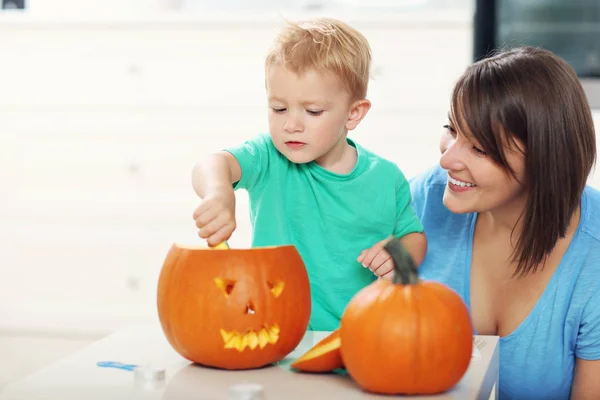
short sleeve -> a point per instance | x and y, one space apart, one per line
418 191
254 156
588 338
407 220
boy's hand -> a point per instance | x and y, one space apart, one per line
378 260
215 217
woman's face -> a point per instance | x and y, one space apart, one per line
475 182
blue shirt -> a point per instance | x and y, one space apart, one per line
537 359
330 218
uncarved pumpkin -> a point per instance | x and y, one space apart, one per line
406 336
233 309
324 356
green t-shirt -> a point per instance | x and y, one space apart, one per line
329 217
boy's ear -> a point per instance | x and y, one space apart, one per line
358 110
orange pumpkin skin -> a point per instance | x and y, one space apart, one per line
233 309
406 338
324 356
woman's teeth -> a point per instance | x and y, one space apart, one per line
459 183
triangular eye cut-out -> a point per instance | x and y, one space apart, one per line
226 285
276 287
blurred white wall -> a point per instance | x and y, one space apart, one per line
113 7
105 108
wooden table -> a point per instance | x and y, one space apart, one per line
78 377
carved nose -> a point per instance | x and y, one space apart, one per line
250 308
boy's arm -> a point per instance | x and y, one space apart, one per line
215 173
409 231
380 262
212 180
409 228
243 166
215 178
416 245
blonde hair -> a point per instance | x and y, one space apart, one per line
327 45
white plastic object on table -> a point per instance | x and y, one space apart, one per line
149 373
149 378
246 391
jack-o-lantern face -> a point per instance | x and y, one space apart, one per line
234 309
252 337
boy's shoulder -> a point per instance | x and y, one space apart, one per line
261 144
261 138
377 162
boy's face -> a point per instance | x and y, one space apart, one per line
309 115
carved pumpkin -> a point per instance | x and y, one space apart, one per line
325 356
407 336
234 309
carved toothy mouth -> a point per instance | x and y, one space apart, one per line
250 338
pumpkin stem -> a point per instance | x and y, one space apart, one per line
404 266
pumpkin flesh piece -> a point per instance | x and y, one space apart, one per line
325 356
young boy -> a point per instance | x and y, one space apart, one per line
309 185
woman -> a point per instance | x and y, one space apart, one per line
512 226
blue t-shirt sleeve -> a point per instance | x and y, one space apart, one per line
419 188
406 218
588 338
254 156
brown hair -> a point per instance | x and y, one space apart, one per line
328 46
531 94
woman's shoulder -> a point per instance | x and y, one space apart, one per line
434 176
587 244
427 189
590 210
